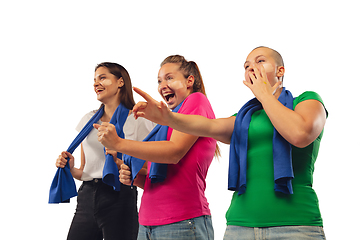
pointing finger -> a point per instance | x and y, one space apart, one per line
143 94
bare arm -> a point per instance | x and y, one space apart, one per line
220 129
300 126
170 152
75 172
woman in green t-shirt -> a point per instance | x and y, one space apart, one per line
274 142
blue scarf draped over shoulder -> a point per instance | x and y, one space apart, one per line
283 171
157 171
63 185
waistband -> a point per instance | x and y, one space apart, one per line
95 180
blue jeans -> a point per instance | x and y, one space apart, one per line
194 228
276 233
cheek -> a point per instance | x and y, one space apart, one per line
177 85
268 67
107 82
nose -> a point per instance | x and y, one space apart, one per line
162 85
251 67
96 83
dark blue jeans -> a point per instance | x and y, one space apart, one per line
102 212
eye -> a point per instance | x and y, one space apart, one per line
261 60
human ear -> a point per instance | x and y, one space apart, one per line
280 71
120 82
190 81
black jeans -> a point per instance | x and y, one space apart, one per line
102 212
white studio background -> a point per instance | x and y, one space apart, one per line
49 49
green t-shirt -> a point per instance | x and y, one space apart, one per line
260 205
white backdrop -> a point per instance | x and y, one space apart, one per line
49 49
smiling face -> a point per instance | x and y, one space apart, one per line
173 86
106 85
265 57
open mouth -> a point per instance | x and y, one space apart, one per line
169 96
98 91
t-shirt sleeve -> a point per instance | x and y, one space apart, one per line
137 129
143 128
84 120
309 95
197 104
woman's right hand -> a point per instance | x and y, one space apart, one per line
152 110
61 160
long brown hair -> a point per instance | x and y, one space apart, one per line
126 94
190 68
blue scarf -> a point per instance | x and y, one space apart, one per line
158 171
63 185
283 172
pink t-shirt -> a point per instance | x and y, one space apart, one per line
182 195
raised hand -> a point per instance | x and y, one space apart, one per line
151 109
260 85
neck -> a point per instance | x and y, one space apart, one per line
278 92
109 109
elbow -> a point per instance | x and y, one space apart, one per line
300 143
175 157
301 139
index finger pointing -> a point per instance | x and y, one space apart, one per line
143 94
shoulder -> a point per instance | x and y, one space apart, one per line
137 129
309 95
197 104
140 122
85 119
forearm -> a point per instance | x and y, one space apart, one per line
191 124
76 173
153 151
290 124
140 180
220 129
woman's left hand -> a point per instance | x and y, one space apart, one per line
260 85
107 135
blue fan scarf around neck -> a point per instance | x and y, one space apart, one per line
158 171
283 172
63 185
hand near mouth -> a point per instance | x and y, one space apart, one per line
151 109
260 85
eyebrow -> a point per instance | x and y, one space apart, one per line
167 74
99 75
255 59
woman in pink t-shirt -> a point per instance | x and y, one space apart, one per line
175 208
